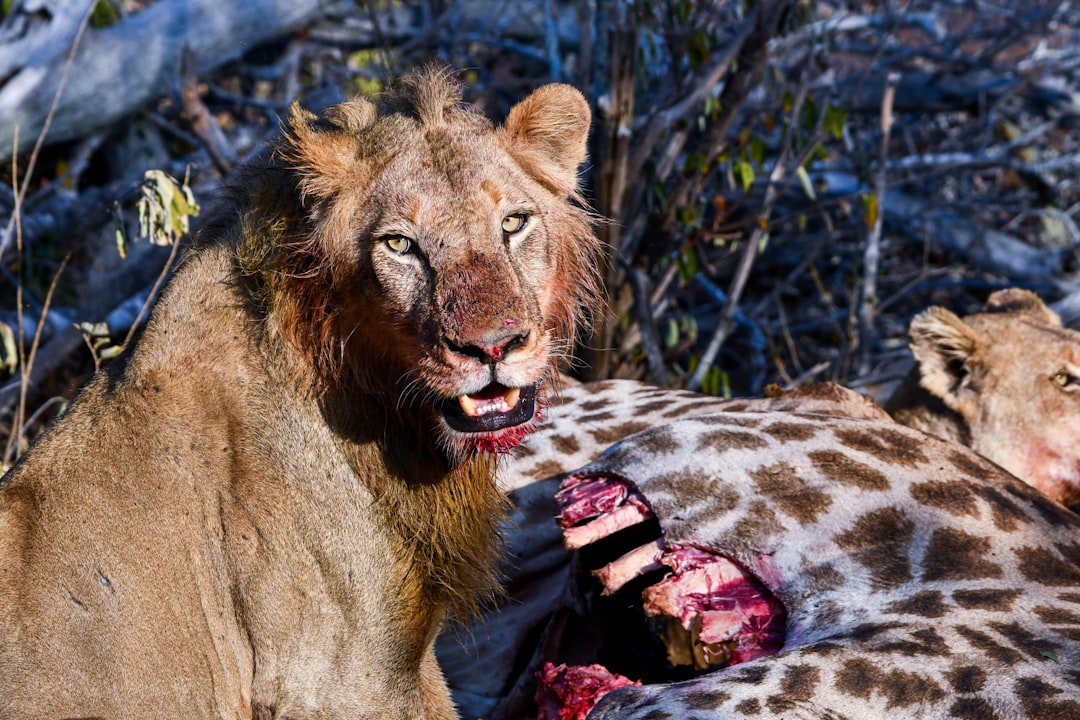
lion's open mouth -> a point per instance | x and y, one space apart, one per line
494 408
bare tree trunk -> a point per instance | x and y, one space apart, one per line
120 68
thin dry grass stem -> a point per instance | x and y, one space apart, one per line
872 255
16 224
89 341
19 425
809 375
650 337
785 333
149 302
36 415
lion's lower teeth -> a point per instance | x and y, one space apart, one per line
494 407
475 408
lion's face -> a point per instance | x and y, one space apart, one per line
1012 373
458 266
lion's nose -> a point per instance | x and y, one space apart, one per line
492 348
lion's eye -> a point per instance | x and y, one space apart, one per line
1063 378
514 223
399 244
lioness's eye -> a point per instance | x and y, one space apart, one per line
1064 378
399 244
514 223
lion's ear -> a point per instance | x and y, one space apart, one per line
1018 300
944 346
547 134
324 149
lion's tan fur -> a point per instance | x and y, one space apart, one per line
257 514
1005 382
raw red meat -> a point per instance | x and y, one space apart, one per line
569 692
733 615
595 506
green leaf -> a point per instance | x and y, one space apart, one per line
108 353
95 330
834 121
1007 130
165 208
710 384
804 180
716 383
697 50
671 334
689 327
688 266
744 173
870 209
696 163
118 223
11 354
711 106
757 151
104 14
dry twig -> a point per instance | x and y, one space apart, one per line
872 255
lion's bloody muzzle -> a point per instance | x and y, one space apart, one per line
494 408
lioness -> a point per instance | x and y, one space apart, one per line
267 509
1005 382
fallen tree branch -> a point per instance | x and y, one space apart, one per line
199 117
144 49
988 249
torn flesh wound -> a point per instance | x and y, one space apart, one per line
731 614
569 692
592 507
707 601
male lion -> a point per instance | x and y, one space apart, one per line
267 509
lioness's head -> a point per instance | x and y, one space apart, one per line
1012 374
440 263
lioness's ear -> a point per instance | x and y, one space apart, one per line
944 347
325 149
1018 300
547 133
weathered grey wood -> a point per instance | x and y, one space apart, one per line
985 248
30 30
1068 308
120 68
